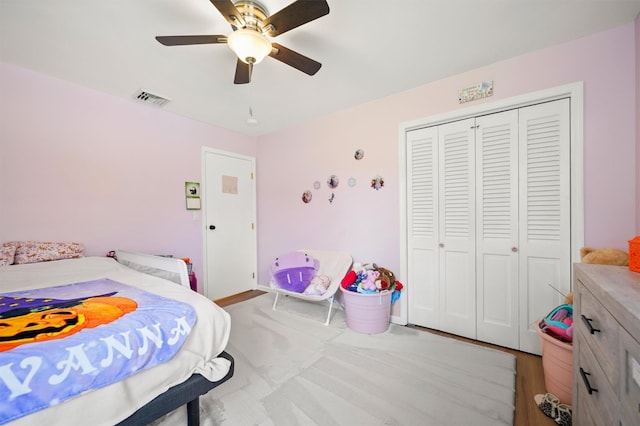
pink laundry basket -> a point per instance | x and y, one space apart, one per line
557 363
367 313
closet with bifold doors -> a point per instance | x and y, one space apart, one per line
488 223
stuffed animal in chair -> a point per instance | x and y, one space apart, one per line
318 286
294 271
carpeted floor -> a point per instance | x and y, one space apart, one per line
293 370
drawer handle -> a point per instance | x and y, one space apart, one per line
585 379
587 321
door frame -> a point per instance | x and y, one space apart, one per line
203 193
573 91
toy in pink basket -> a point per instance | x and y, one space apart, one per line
559 323
368 283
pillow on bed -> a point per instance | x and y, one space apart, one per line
35 251
7 253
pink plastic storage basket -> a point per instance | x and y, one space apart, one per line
557 363
367 313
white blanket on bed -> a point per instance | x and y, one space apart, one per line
116 402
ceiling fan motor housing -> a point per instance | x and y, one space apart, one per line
253 14
249 42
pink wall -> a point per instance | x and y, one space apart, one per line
365 222
76 164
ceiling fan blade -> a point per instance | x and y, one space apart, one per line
243 72
294 59
297 13
185 40
230 12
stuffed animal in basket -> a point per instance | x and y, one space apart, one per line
603 256
386 280
368 283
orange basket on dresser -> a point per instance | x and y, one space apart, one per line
634 254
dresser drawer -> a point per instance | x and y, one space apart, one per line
630 377
593 316
609 296
602 402
587 416
625 419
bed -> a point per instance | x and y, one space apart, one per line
197 365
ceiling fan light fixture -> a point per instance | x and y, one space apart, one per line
249 45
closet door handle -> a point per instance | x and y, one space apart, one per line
585 379
587 322
514 249
441 245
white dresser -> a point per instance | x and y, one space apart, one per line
606 348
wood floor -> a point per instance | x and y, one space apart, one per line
529 375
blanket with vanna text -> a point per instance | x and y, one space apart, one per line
58 342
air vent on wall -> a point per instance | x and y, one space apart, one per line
151 98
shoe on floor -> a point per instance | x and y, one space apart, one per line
564 415
548 404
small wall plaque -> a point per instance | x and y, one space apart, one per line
192 193
476 91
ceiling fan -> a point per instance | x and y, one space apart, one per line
251 25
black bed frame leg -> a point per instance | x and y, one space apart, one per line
193 412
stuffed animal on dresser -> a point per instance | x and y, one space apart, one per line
602 256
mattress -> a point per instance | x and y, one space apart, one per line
113 403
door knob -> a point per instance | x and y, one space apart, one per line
514 249
212 227
441 245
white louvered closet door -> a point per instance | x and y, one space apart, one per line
488 205
545 219
456 214
422 227
497 228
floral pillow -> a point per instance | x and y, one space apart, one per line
35 251
7 254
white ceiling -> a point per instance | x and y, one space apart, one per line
368 49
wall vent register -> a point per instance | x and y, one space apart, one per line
151 98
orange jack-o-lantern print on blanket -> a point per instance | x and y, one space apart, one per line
29 320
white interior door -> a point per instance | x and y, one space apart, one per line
524 249
229 219
456 213
545 214
422 227
497 228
